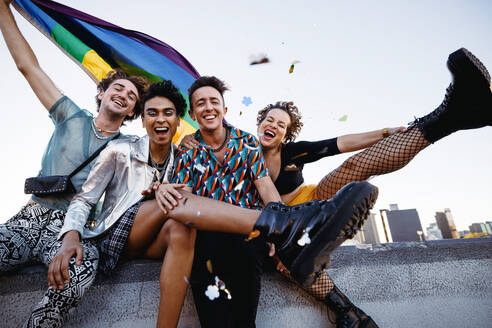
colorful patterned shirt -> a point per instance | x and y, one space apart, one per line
232 181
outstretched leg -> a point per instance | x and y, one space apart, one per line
304 234
467 105
388 155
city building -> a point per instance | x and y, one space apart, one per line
369 232
480 228
446 224
489 225
433 232
401 225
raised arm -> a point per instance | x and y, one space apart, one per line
24 58
357 141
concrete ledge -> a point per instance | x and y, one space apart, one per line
432 284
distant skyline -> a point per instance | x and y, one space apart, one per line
376 64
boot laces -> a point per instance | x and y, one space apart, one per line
448 95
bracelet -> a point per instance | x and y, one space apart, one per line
385 133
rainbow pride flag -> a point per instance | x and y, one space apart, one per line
98 46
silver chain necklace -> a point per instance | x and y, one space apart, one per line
166 165
97 131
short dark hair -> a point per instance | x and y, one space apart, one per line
140 82
207 81
295 118
167 90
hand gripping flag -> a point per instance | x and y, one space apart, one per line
98 46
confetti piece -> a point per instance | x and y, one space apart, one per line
247 101
209 266
304 240
253 234
300 155
187 280
259 59
212 292
343 118
240 113
291 69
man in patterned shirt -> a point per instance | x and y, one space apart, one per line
228 165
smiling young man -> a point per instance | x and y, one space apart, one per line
230 160
31 235
228 166
127 224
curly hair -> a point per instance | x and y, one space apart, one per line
140 82
167 90
295 117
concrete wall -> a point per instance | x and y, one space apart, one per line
433 284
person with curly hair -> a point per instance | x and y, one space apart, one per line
31 235
385 150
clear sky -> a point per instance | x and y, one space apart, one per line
379 62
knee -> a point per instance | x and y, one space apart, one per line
82 277
179 235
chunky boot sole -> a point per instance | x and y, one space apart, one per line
467 103
464 65
350 213
470 72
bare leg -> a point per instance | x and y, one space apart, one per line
388 155
154 235
175 242
193 211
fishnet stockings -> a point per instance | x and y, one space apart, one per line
388 155
322 286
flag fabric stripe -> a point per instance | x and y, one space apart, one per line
98 46
151 42
69 42
98 67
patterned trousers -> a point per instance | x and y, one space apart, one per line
31 237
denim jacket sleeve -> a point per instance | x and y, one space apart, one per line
99 178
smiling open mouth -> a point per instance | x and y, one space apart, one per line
119 103
161 130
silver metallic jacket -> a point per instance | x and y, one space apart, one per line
121 172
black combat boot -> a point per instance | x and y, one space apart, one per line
348 315
468 100
306 234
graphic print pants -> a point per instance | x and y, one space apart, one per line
31 237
